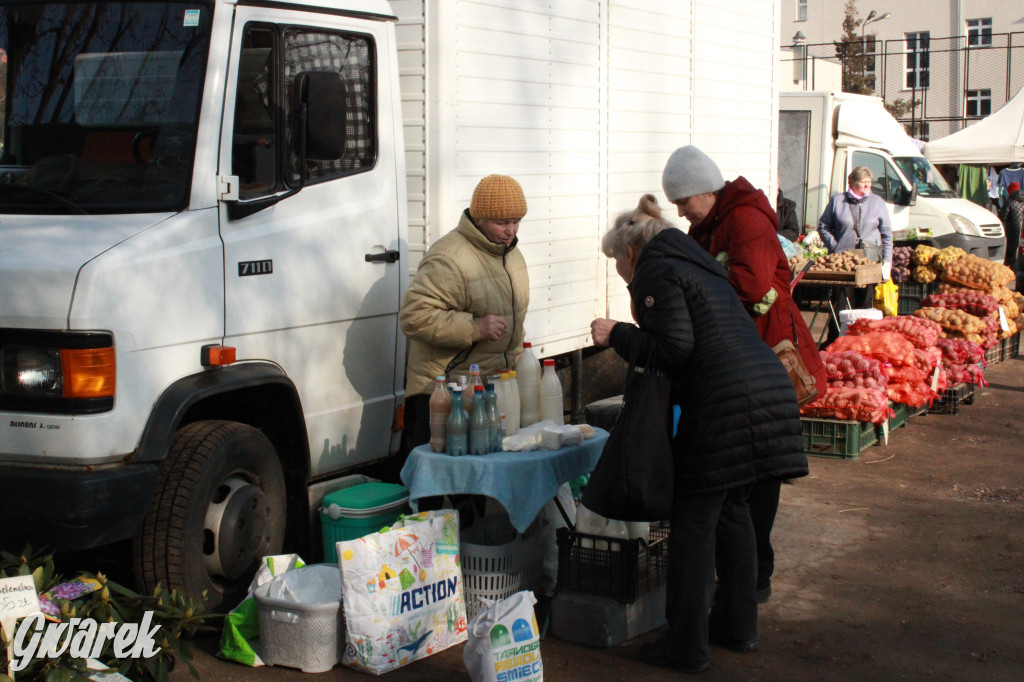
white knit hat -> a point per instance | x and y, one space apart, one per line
690 172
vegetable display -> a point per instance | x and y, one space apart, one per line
856 404
838 262
921 332
953 319
978 273
901 262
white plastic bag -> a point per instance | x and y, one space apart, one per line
402 592
504 641
314 584
240 638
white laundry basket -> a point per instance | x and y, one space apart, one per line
301 620
497 562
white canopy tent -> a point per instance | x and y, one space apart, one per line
995 139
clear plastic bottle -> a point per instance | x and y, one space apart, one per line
493 417
440 409
467 395
551 395
479 429
458 427
517 405
528 379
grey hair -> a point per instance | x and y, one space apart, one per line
634 228
859 173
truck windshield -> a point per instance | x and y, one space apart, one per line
930 182
100 105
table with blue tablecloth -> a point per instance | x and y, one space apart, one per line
522 482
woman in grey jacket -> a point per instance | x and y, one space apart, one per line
855 219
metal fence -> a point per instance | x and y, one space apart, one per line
944 83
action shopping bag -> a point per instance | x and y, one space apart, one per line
402 592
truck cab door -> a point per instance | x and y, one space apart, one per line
888 182
312 254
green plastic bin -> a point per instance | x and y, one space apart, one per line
359 510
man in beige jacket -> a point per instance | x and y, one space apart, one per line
468 300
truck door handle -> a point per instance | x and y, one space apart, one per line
389 256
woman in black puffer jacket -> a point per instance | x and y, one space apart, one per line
739 424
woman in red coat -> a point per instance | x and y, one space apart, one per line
737 225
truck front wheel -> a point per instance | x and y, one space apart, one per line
218 508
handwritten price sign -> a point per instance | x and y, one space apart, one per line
18 598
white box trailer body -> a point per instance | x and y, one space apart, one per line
824 135
198 331
582 102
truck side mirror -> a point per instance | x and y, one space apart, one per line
320 118
904 196
323 94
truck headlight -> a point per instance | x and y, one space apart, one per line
56 372
31 371
964 226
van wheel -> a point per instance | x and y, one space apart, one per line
218 508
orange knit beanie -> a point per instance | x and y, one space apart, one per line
498 197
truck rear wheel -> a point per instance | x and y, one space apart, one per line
218 508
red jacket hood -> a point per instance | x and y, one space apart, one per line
735 194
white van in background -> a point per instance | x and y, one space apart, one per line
825 135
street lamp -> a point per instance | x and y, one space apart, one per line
798 42
871 17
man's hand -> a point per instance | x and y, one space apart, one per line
490 328
601 329
886 271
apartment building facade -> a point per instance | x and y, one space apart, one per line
948 62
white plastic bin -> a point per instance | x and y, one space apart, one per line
497 562
301 620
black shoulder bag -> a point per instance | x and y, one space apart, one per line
633 479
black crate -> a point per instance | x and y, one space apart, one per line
911 294
993 355
610 567
952 398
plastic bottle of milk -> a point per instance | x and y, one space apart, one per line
505 401
528 378
551 395
517 404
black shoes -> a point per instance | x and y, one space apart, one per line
740 646
653 654
764 594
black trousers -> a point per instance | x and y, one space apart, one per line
764 505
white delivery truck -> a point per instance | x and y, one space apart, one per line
209 211
825 135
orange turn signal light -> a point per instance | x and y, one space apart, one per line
88 372
215 356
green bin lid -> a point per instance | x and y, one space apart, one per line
367 495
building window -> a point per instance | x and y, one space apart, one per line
870 48
979 32
801 10
979 103
917 60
